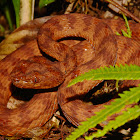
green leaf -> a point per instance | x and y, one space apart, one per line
129 33
43 3
130 114
136 135
125 34
16 4
8 16
4 5
127 97
117 33
2 28
121 72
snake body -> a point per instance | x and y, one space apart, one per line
29 115
106 49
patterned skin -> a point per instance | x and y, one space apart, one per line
101 47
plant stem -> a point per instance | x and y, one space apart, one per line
2 28
7 14
16 4
26 10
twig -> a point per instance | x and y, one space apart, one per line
123 10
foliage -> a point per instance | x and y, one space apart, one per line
130 114
136 135
126 98
17 7
5 4
121 72
16 4
43 3
129 32
5 8
2 28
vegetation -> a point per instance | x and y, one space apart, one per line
24 11
129 32
121 72
131 72
132 96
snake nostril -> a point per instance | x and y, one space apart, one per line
35 80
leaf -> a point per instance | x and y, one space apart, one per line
136 135
16 4
127 97
8 16
2 28
125 34
121 72
117 33
129 33
131 114
43 3
4 5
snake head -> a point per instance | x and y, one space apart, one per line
36 73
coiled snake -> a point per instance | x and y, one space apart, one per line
100 47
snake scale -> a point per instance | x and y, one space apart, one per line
100 47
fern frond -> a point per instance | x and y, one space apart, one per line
131 114
127 97
136 135
126 72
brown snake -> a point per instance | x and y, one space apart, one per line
101 47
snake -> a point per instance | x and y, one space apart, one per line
27 67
